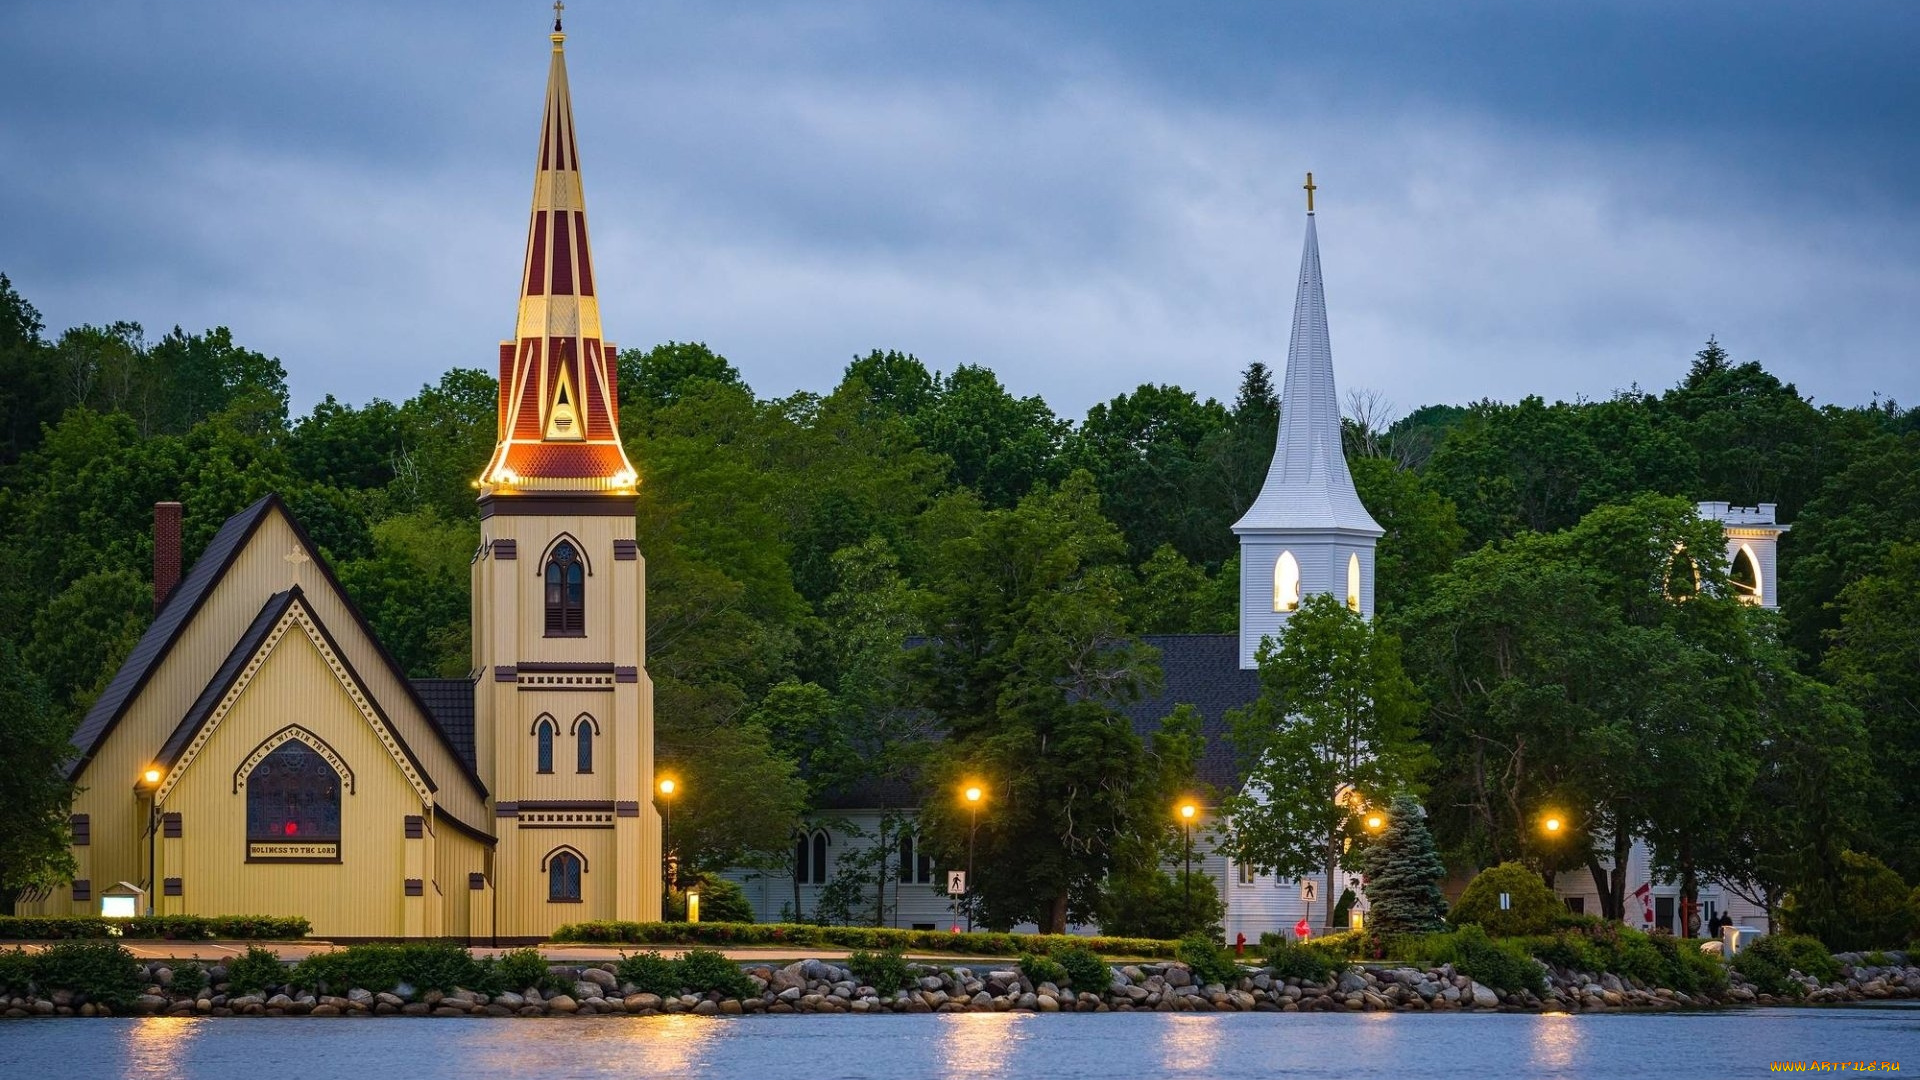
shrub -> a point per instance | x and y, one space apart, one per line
16 972
808 936
1347 944
1158 905
1535 909
170 927
1086 971
649 973
704 971
521 969
885 971
100 971
188 975
1498 964
256 971
1042 969
424 965
1767 965
1210 961
721 901
1304 961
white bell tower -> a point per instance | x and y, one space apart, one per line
1307 532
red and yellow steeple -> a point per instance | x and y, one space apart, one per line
558 422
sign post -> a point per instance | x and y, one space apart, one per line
956 883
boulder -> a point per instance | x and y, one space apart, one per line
599 977
561 1003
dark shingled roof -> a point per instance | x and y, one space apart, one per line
154 645
1201 670
222 680
451 703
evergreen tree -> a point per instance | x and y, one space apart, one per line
1403 870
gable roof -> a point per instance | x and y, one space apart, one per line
167 625
186 599
450 701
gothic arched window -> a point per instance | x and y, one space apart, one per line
916 866
1353 582
293 795
563 877
810 858
566 592
1286 583
1745 576
583 751
543 734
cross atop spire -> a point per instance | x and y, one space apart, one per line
1309 185
558 7
559 418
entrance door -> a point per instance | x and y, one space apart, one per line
1663 913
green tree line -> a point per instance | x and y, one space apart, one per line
918 575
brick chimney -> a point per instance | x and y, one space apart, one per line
166 551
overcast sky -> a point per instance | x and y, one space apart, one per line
1514 198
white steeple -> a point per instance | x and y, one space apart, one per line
1307 532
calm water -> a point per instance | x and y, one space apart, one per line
1058 1047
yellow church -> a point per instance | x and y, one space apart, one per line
261 753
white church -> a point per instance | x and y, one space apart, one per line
1307 532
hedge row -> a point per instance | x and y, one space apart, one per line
799 935
173 927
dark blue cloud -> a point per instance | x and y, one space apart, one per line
1519 197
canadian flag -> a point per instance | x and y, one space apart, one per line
1645 895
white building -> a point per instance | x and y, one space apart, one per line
1753 541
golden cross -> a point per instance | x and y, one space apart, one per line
1309 185
558 7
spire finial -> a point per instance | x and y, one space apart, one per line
558 7
1309 185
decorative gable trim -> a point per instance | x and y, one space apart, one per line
298 616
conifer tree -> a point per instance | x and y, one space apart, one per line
1403 873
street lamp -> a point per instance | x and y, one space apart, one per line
1187 814
972 794
667 787
1376 821
151 778
1552 824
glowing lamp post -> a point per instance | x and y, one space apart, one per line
667 788
972 795
151 778
1188 812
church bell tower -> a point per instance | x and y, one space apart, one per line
1307 532
563 725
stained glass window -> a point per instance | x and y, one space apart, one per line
293 795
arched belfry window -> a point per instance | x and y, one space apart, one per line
566 592
1744 576
564 870
1286 583
1353 582
293 796
543 738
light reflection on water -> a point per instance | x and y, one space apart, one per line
157 1046
1167 1046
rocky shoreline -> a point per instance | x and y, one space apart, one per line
816 986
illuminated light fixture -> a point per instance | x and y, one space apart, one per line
1553 824
625 478
973 793
1188 810
151 776
1375 821
667 786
